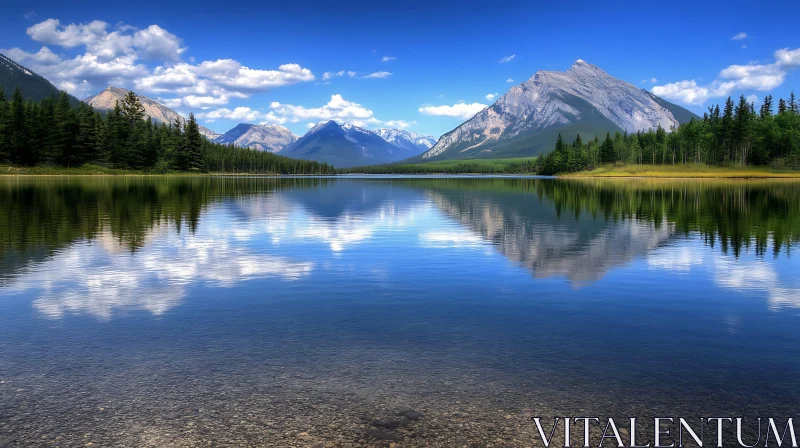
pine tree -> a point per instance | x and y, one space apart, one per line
193 145
131 108
766 108
21 152
607 154
4 155
781 106
792 103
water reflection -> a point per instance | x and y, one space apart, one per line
262 309
107 246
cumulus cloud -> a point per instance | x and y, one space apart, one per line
507 58
399 124
491 96
459 110
115 55
509 80
739 36
337 108
157 43
751 76
171 102
388 58
379 75
239 113
44 56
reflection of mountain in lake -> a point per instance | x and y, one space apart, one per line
101 246
528 231
338 214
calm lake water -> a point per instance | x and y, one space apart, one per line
365 311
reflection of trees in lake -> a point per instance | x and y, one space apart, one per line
549 225
733 215
42 215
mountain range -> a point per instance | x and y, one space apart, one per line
527 119
347 145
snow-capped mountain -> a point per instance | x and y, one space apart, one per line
527 119
107 99
345 146
262 137
407 139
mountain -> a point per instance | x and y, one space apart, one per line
345 146
528 118
32 86
107 99
408 140
272 138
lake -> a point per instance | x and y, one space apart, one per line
364 311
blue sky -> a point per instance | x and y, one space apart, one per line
420 66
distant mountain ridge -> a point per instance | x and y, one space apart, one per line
345 146
107 99
527 119
32 86
406 139
261 137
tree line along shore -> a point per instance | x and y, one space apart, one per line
52 138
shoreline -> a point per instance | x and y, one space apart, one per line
627 172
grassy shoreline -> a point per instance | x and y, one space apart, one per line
693 171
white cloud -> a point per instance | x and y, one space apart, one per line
788 58
113 57
507 58
232 75
399 124
337 108
752 76
740 36
157 43
44 56
330 75
509 80
459 110
689 92
204 101
491 96
653 80
172 103
379 75
239 113
51 32
388 58
752 99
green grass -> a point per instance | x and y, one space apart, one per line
686 171
59 170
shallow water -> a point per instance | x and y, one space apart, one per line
294 312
